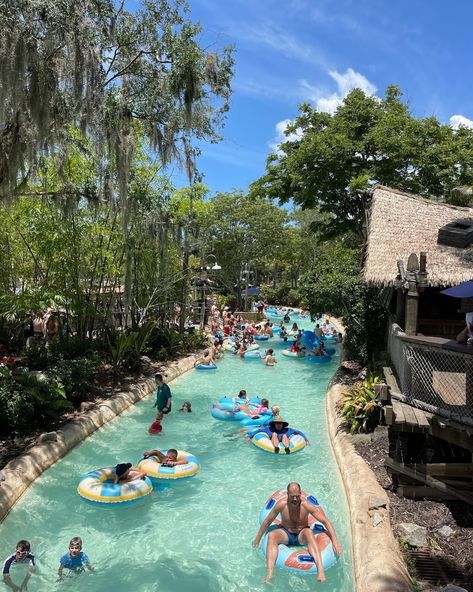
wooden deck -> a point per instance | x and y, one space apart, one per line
406 423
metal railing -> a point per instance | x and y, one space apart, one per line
432 375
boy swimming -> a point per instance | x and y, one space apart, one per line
75 559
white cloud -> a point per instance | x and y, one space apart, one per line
271 35
328 102
281 136
345 83
324 101
459 120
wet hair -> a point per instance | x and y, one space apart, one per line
158 376
275 409
75 541
122 468
265 402
292 484
23 545
242 393
173 451
270 351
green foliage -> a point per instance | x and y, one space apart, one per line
365 141
28 396
166 342
126 347
282 294
37 356
77 377
16 406
240 231
359 406
335 286
97 63
194 340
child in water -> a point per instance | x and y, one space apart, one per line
186 407
156 427
75 560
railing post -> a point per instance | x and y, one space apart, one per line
412 297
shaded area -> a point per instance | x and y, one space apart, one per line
452 554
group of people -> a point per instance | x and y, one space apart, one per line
74 561
45 326
163 404
293 509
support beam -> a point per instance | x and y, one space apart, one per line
426 480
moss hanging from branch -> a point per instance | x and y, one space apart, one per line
61 62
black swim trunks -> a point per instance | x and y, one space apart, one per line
292 537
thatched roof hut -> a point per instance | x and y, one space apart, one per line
401 223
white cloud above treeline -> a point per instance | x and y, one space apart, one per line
325 102
345 83
460 120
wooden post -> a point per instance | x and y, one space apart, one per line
400 301
412 297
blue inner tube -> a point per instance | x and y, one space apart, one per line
253 354
206 367
261 337
297 559
226 409
257 420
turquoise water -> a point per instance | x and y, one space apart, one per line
193 535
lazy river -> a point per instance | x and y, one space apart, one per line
194 535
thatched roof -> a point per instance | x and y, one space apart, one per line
402 223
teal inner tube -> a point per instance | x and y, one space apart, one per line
206 367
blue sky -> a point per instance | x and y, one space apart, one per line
292 51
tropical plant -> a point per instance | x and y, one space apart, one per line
359 406
121 345
77 377
28 396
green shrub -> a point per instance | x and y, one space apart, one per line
77 376
359 406
16 406
66 348
194 340
36 356
169 339
29 396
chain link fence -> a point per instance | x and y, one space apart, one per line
432 378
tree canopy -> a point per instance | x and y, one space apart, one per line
94 64
366 141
